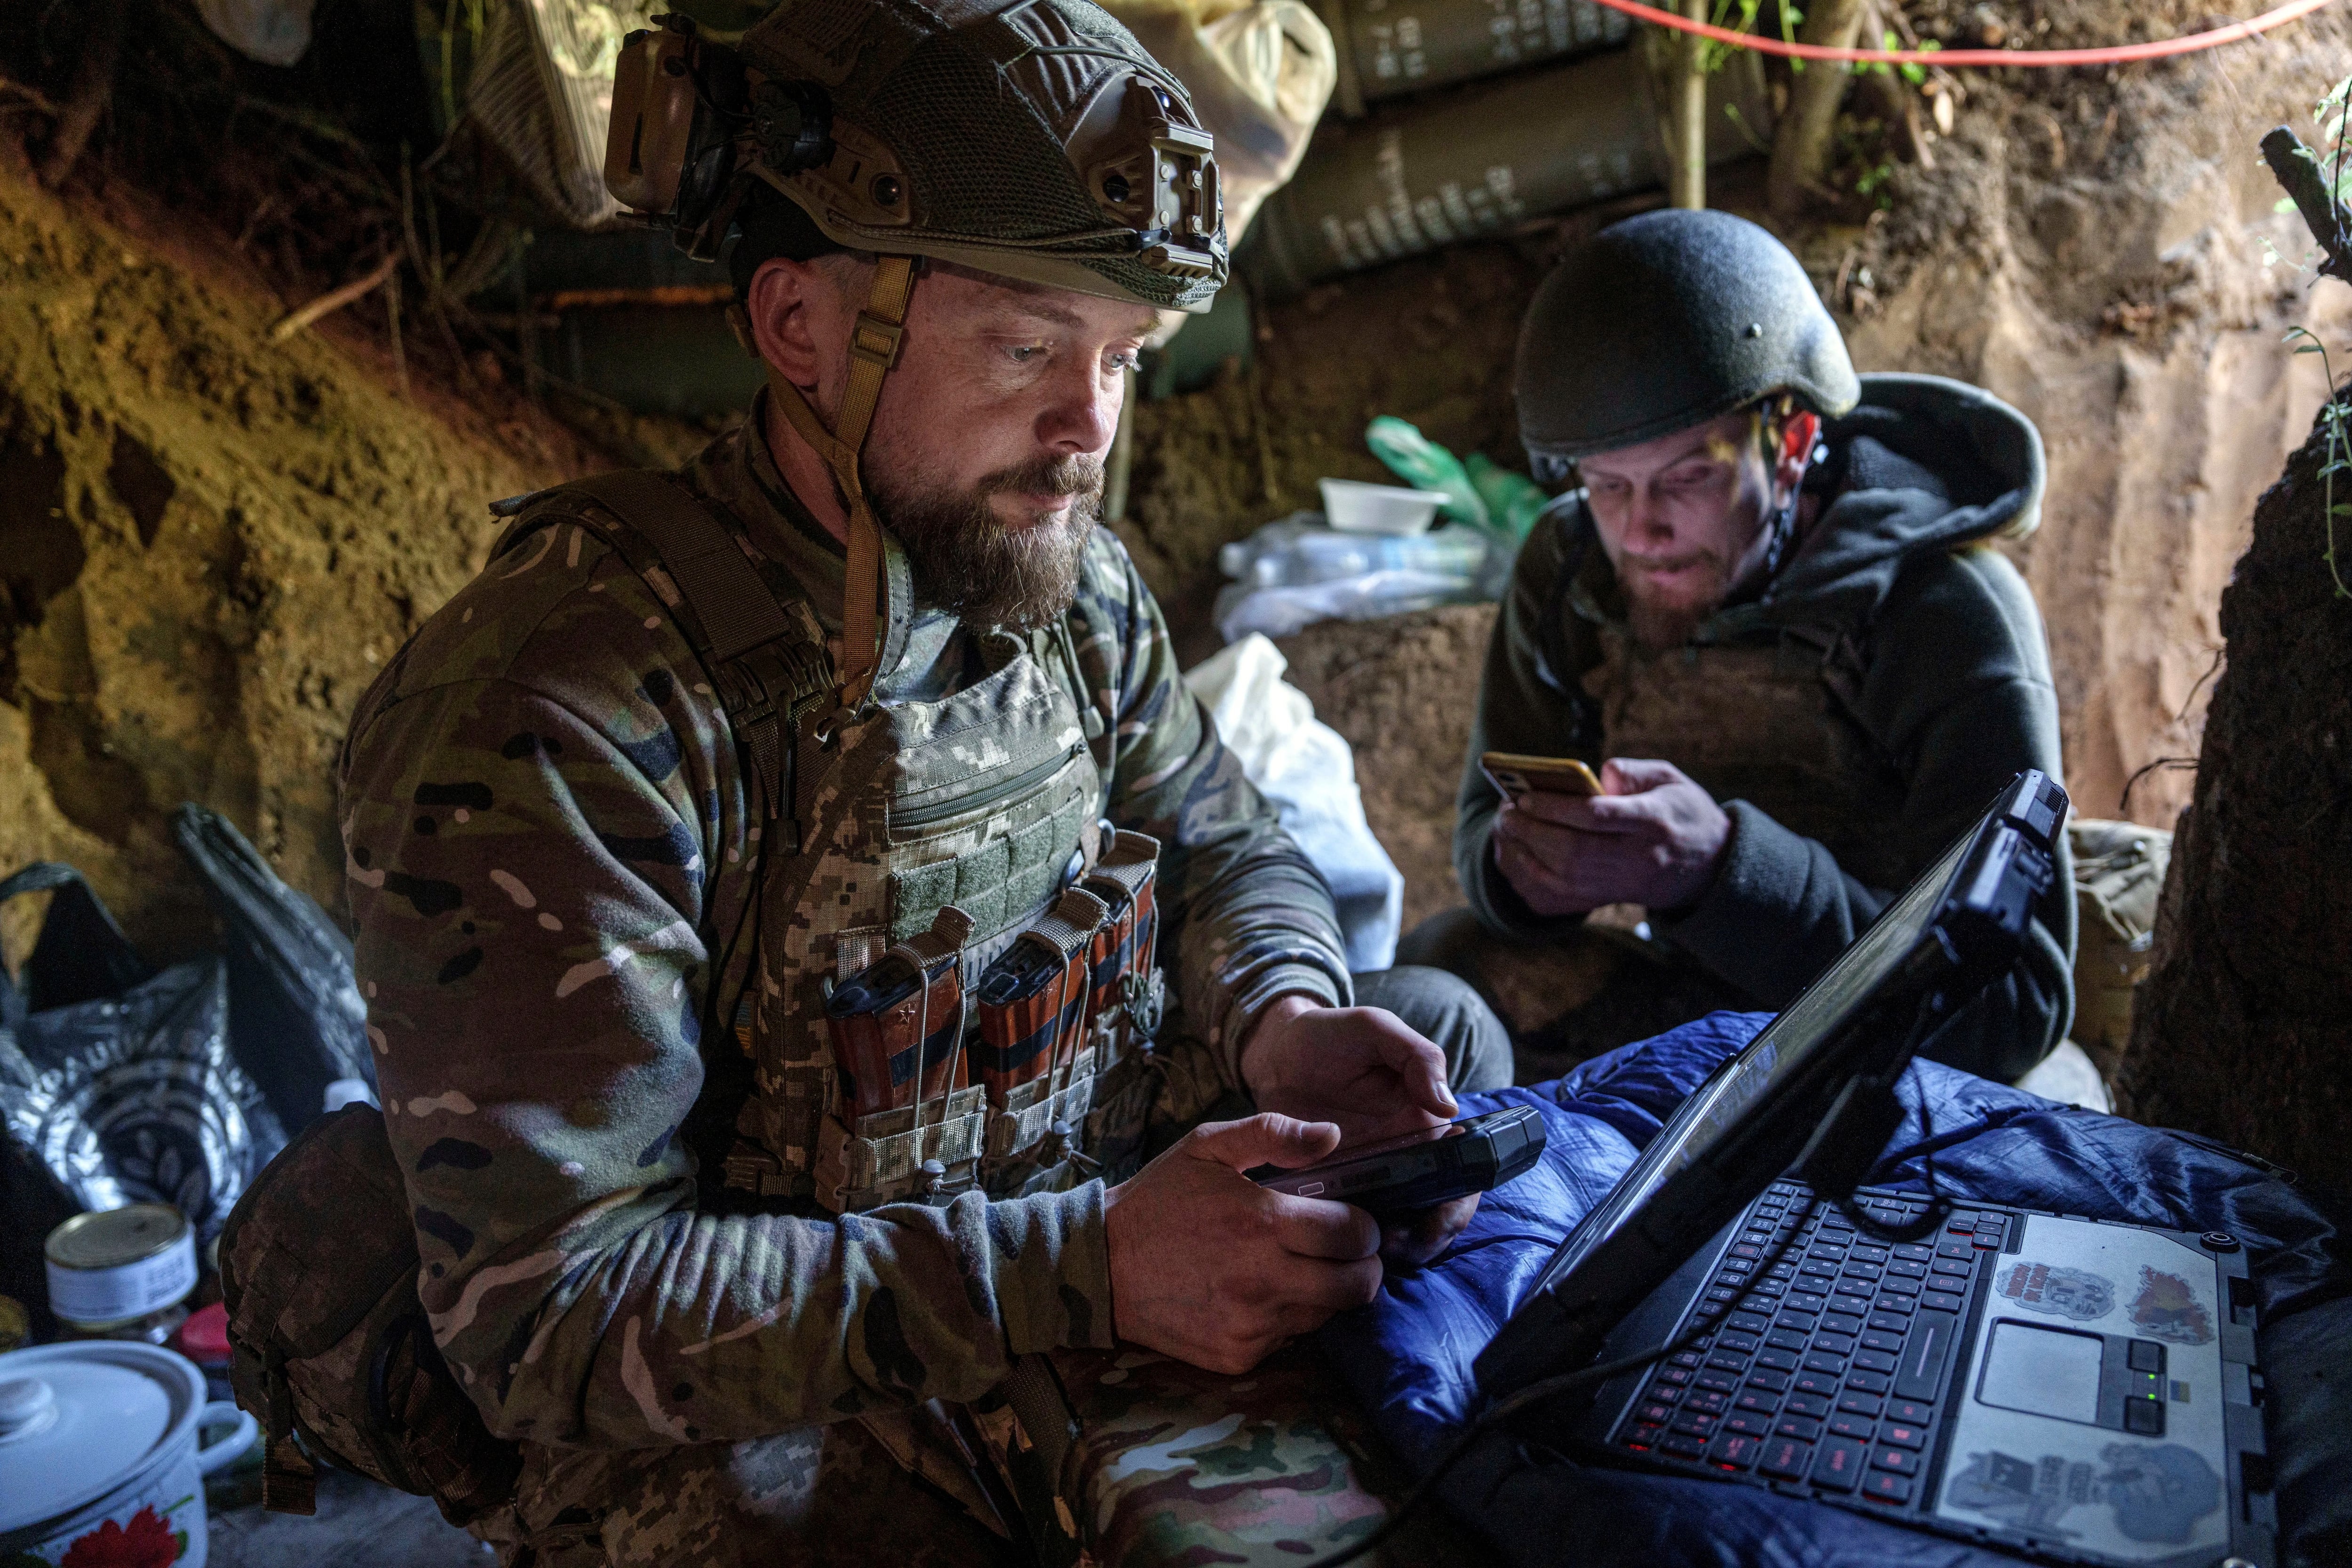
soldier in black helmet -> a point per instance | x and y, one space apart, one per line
1772 616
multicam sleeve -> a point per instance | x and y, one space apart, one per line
1248 917
529 887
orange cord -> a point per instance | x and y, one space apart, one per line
2114 54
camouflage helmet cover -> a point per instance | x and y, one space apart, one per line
1035 139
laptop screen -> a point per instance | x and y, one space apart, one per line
1785 1044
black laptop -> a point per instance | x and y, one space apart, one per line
2076 1390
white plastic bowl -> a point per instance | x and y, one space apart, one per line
1354 507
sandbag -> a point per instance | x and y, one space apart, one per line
297 1021
529 103
1259 75
2118 872
117 1084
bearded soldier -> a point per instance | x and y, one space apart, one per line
639 816
1772 616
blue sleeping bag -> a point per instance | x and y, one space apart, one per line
1408 1355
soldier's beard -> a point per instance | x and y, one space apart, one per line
1660 621
967 562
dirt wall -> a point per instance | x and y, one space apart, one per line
208 544
2243 1028
2094 251
1397 684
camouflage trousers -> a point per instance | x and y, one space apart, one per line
836 1493
818 1495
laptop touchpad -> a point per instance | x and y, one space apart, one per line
2044 1372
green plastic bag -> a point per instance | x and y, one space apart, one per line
1427 466
1512 498
1478 491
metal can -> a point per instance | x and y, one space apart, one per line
123 1273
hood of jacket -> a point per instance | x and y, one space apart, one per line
1922 464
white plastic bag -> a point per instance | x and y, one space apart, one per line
1302 549
2066 1076
1243 611
1306 770
1291 574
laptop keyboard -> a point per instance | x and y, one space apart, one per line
1831 1371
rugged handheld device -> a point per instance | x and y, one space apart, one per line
1419 1170
1516 775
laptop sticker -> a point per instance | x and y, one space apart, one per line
2167 1309
2158 1491
2075 1293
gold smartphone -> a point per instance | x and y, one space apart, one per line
1516 774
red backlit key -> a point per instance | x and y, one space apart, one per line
1786 1457
1839 1463
1735 1451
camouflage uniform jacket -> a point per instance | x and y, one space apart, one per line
549 858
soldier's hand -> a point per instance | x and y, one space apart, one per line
1363 1069
1210 1268
1653 839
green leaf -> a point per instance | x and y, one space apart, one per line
2284 205
2310 349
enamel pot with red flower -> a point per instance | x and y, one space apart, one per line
100 1466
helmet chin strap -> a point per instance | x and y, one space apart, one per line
876 564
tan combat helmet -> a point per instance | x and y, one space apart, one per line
1034 139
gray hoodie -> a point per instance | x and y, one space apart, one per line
1937 672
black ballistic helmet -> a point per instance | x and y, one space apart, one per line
1664 321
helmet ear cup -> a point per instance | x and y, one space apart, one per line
794 123
679 104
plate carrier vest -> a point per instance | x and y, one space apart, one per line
925 828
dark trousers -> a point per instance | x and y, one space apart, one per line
1442 1008
1564 1001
